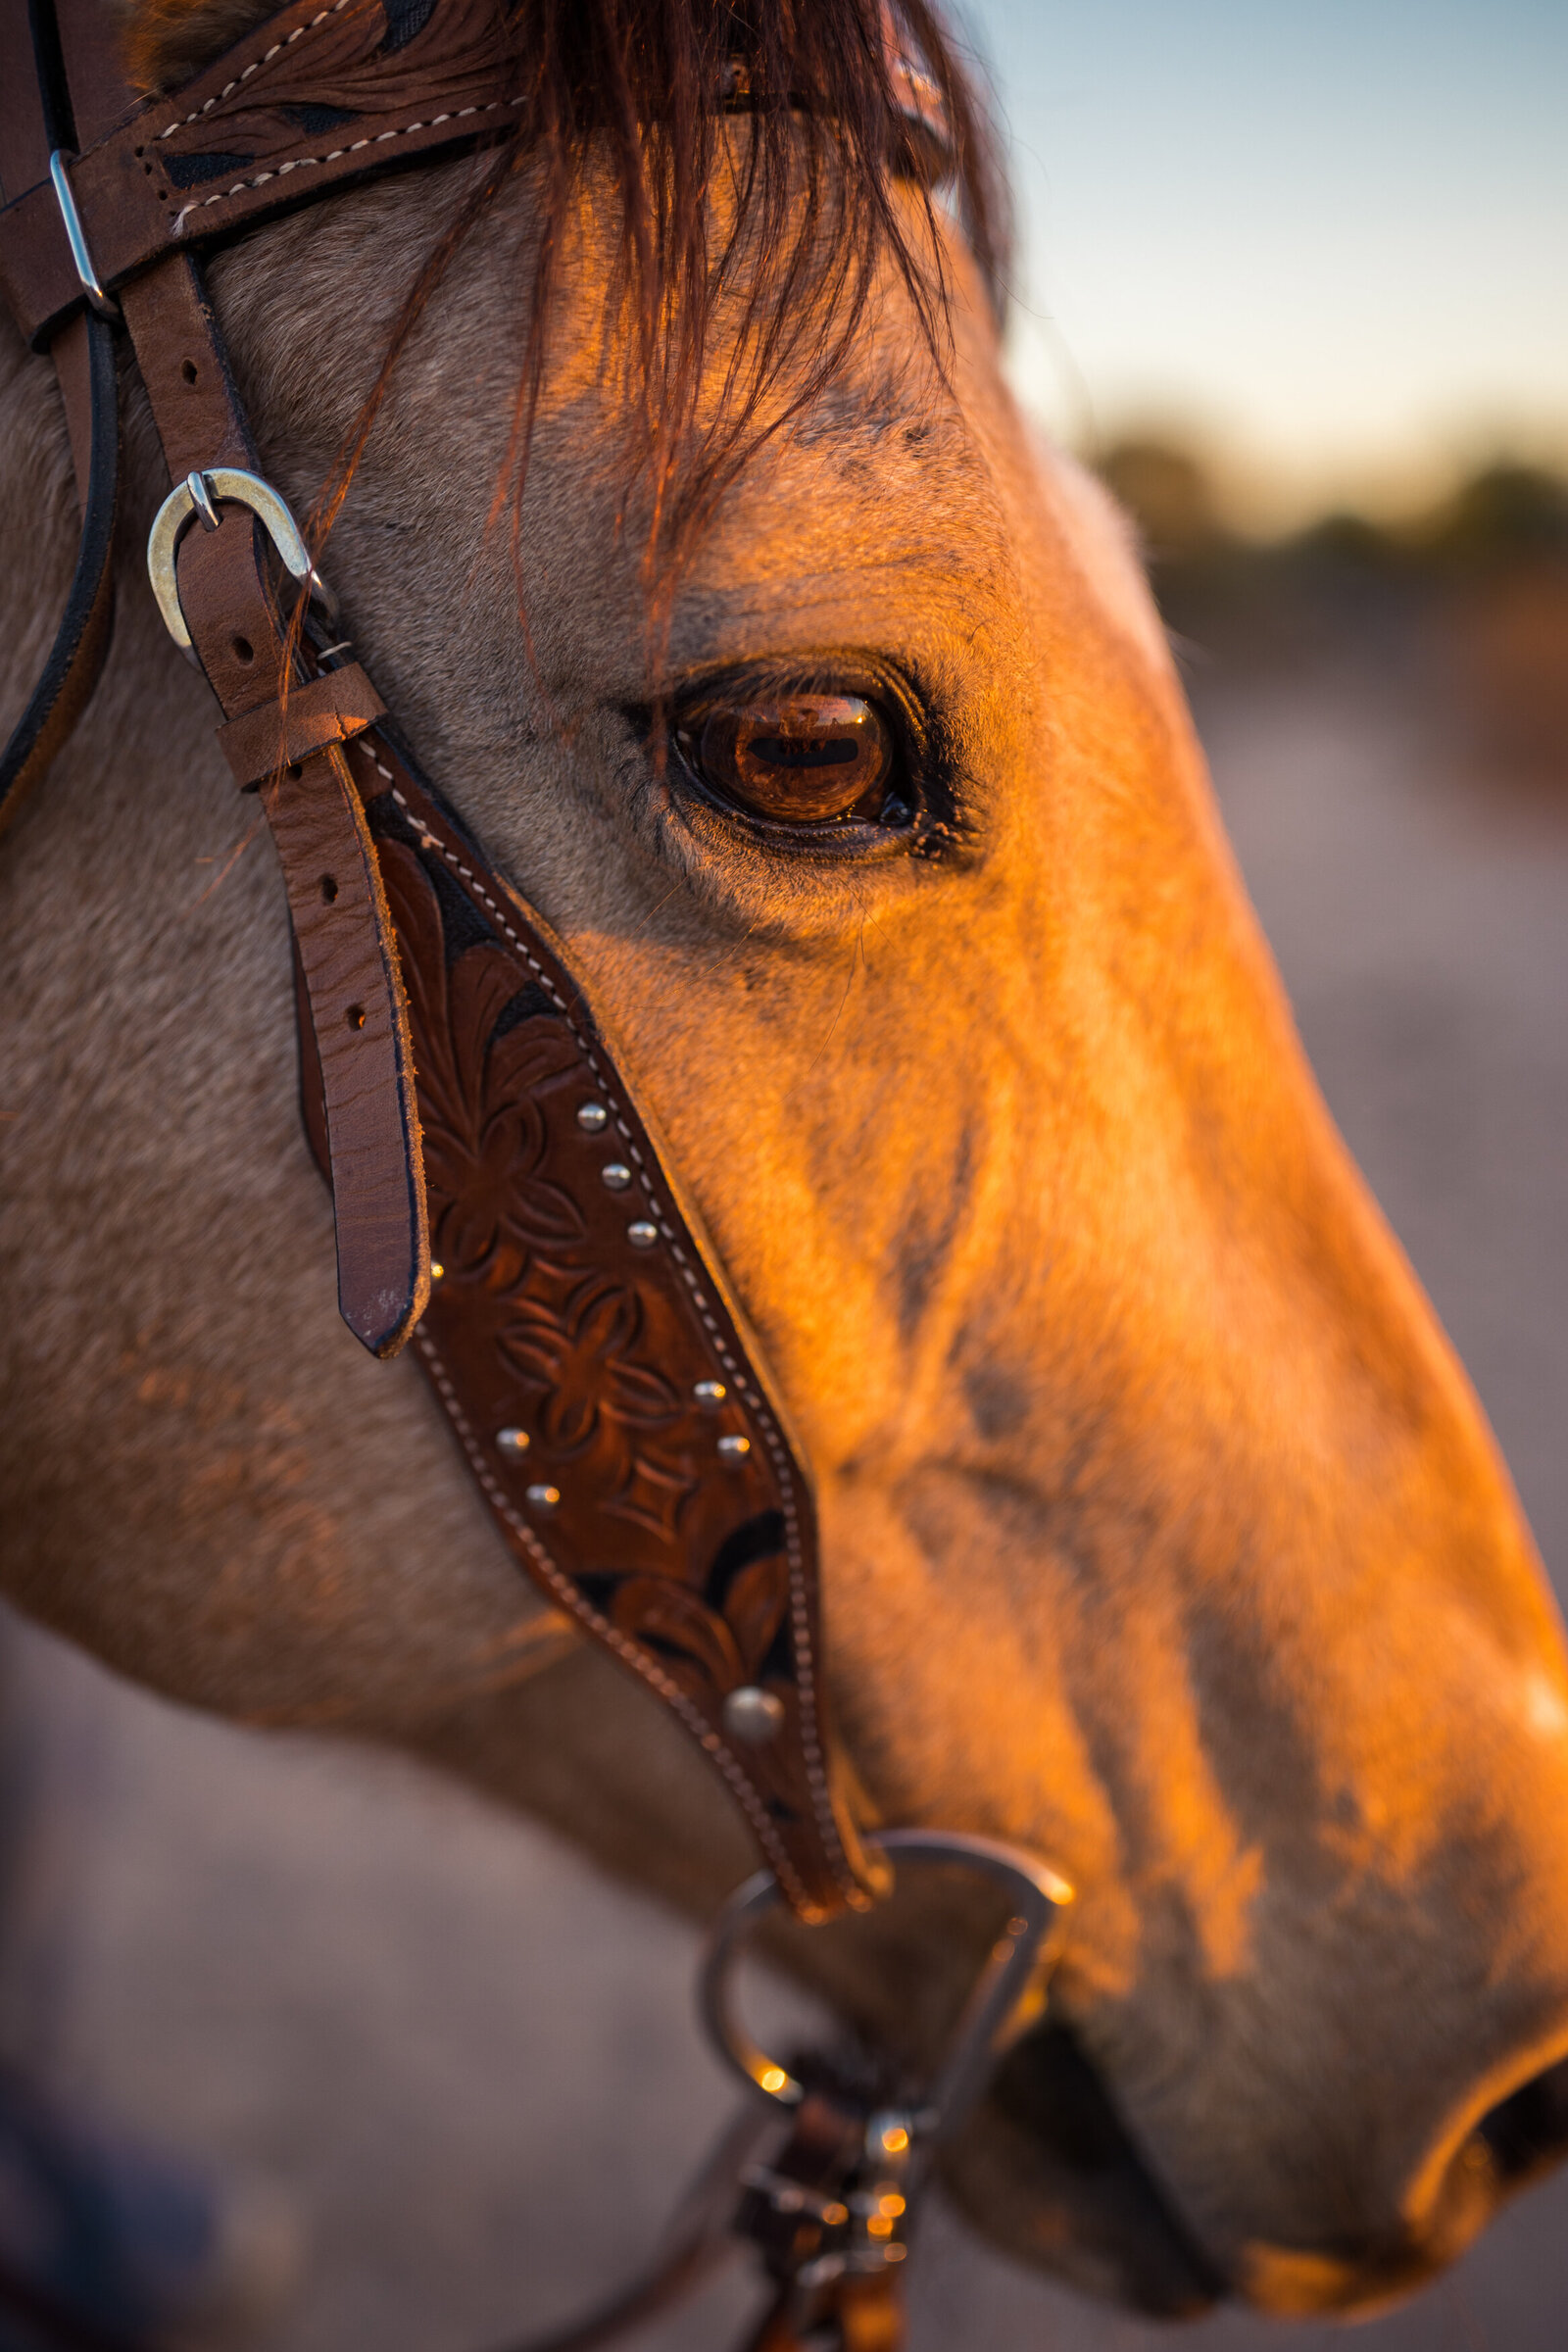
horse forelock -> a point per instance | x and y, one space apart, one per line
747 246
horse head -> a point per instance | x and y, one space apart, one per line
823 713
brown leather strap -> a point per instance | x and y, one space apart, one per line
341 921
340 918
92 48
29 131
333 707
824 2302
229 149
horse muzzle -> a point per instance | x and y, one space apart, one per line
1047 2168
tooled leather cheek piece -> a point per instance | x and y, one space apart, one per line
598 1377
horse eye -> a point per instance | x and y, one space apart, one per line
797 758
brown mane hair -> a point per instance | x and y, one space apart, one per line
647 89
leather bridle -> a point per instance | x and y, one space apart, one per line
599 1377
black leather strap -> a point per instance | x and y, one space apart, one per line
35 122
76 656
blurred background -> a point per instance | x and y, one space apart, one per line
1296 282
1293 280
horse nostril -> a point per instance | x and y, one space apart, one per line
1527 2132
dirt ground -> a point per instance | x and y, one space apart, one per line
471 2064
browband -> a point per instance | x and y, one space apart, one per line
315 97
498 1194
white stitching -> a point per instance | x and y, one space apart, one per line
565 1590
230 87
800 1607
302 163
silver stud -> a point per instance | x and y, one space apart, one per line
752 1717
709 1394
544 1498
642 1235
592 1116
616 1174
732 1452
512 1440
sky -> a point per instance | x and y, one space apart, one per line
1329 239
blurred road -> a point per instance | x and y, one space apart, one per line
463 2054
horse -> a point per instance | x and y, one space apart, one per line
1162 1534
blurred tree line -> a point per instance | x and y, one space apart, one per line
1469 601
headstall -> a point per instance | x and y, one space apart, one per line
499 1198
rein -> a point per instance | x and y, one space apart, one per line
498 1196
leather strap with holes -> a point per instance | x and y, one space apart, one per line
242 641
341 920
333 707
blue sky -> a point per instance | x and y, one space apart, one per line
1333 238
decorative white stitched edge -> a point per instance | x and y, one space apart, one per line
302 163
630 1651
800 1606
276 50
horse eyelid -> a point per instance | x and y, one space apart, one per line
926 788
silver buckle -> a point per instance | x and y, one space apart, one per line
77 238
194 500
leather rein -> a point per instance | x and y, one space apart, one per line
599 1377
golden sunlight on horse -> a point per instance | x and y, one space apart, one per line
1161 1534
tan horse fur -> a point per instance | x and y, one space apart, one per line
1163 1532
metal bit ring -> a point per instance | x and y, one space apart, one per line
1040 1898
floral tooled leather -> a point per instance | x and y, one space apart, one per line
576 1312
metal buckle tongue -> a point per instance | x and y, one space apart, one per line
832 2207
193 500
